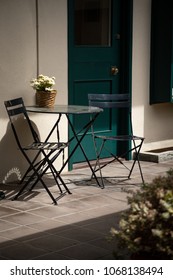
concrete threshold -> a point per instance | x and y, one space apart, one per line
158 155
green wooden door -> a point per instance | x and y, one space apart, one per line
95 61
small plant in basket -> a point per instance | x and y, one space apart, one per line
146 228
45 94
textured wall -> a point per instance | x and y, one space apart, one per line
19 61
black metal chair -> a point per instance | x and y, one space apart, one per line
45 152
120 104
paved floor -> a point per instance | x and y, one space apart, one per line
78 227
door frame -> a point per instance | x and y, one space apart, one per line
126 53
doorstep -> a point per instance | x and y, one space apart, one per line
158 155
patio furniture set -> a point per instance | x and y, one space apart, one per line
46 152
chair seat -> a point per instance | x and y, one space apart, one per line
46 146
119 137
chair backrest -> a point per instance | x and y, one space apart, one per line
113 101
15 109
109 100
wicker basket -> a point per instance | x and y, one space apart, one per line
45 99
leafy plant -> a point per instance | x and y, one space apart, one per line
43 83
146 228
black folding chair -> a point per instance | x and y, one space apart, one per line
45 152
120 104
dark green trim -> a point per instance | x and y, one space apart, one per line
70 43
127 27
130 36
130 39
127 32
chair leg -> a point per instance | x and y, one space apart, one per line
137 148
54 171
137 151
39 178
33 163
97 166
48 164
44 185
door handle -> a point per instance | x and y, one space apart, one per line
114 70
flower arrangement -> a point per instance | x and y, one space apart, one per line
43 83
146 228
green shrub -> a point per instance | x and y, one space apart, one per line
146 228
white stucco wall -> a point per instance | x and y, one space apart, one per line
18 65
154 122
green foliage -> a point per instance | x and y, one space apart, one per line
146 228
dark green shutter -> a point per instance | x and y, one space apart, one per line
161 52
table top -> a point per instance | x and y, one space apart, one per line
64 109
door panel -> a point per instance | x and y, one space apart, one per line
94 51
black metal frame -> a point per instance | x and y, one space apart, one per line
49 151
116 102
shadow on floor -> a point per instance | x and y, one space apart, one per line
85 240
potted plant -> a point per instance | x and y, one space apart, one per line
45 94
146 228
